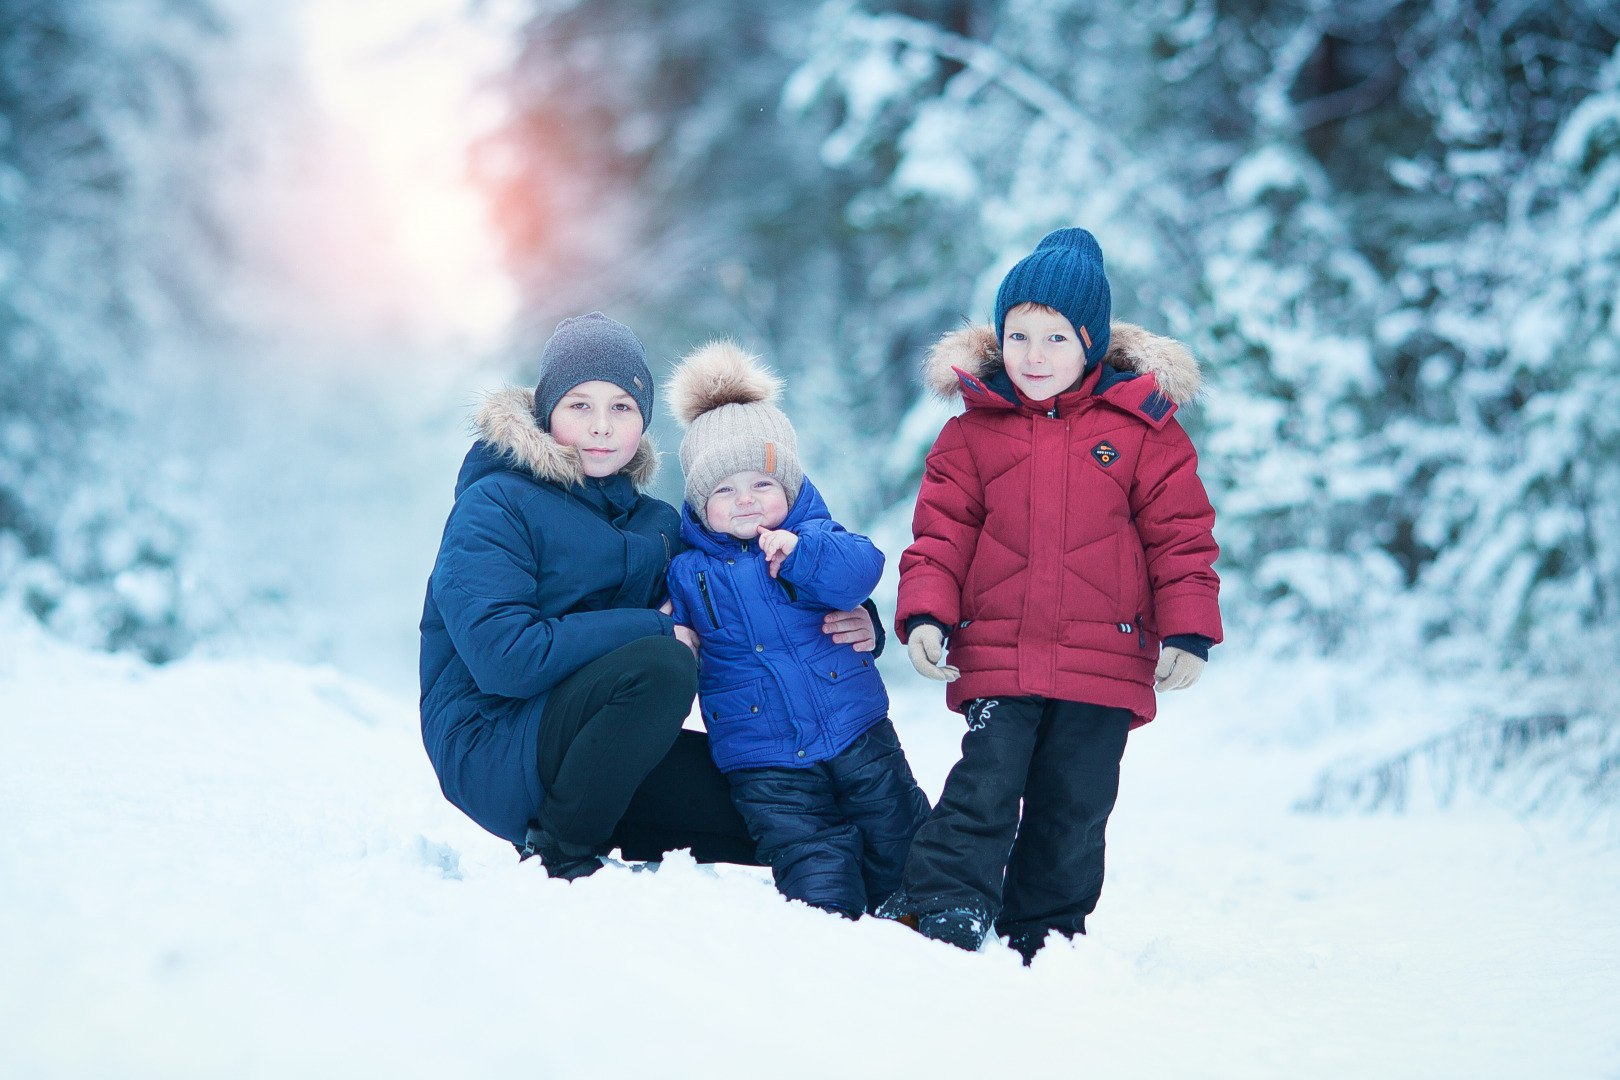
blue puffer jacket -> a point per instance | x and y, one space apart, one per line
540 572
775 690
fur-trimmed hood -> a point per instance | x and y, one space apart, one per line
505 420
975 350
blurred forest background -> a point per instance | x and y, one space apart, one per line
1390 229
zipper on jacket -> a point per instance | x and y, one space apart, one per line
708 605
1141 632
665 537
787 587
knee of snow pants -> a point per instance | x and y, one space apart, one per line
814 853
879 796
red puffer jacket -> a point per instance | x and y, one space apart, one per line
1060 543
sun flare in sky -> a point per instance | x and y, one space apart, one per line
405 85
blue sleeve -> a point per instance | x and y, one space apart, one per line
832 566
485 585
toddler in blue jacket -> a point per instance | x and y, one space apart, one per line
798 723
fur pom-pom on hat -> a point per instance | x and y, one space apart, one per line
716 374
726 400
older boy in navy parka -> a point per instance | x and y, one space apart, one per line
798 724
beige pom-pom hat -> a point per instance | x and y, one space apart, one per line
726 400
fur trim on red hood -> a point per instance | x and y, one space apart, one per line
975 350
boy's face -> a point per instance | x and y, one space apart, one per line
1042 352
746 502
602 422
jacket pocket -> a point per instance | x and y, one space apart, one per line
735 704
849 686
1142 585
1127 637
841 665
708 600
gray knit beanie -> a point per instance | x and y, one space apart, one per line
1064 272
586 348
726 400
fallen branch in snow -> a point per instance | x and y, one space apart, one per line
1536 763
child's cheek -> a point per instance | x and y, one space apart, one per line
715 514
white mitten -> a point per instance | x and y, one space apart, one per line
1177 670
926 645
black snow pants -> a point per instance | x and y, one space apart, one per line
619 772
836 834
1044 872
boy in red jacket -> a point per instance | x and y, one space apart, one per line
1063 548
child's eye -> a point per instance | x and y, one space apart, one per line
1017 335
622 407
1057 337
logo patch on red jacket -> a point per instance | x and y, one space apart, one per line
1105 453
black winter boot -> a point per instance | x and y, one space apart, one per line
963 927
561 859
1027 943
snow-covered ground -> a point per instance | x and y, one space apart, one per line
241 869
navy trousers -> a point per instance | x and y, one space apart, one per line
620 773
835 834
1039 870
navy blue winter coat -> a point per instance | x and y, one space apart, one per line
774 689
540 572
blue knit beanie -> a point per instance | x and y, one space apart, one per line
1065 272
586 348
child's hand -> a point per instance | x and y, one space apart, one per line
667 607
1177 670
926 645
688 637
777 544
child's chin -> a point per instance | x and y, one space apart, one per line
596 468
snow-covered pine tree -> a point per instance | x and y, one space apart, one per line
1522 345
96 101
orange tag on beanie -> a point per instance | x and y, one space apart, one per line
770 457
1085 337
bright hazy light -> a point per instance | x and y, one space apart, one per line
402 82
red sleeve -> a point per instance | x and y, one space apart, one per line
945 527
1176 523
